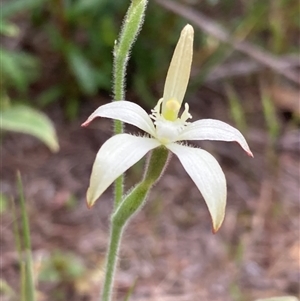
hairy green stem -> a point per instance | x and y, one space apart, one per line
130 205
112 254
131 27
118 189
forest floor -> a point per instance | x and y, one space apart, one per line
168 251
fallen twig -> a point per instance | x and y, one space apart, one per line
213 28
243 68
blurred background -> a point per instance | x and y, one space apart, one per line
56 68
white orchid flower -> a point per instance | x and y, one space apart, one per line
166 129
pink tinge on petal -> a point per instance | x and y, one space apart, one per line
245 148
249 153
87 122
124 111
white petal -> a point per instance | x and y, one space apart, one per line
208 176
180 68
114 157
125 111
212 129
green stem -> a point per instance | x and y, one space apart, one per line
115 238
119 184
18 243
130 205
30 290
132 24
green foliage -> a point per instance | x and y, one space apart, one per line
80 35
130 291
18 70
3 203
61 267
236 108
269 111
8 29
10 8
6 290
23 246
20 118
83 67
82 70
235 292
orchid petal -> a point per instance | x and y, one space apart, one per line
114 157
208 176
125 111
179 71
211 129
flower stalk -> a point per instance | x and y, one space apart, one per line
131 26
135 199
129 206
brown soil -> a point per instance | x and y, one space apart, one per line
168 251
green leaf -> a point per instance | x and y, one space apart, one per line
61 266
49 96
18 69
3 204
6 289
26 120
13 7
81 7
83 71
9 29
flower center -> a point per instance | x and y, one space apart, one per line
171 110
168 129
